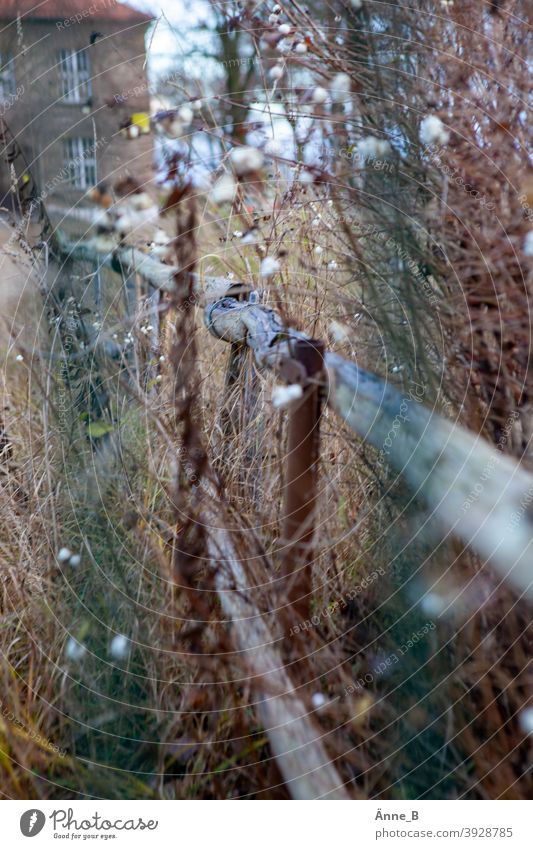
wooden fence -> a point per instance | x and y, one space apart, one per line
472 489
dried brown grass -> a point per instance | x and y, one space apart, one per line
178 720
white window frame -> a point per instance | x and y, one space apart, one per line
7 75
75 75
81 162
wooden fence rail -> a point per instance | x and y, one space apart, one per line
473 489
296 739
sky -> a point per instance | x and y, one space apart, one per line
169 38
172 36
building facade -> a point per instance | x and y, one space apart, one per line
72 74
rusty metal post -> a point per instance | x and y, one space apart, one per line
300 487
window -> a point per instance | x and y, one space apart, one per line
75 78
81 162
7 76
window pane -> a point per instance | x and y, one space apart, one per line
7 76
75 76
81 162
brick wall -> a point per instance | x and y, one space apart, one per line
41 120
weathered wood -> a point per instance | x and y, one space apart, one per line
300 483
132 261
296 741
474 490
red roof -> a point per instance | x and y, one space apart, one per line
104 10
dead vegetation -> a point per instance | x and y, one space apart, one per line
415 660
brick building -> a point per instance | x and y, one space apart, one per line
72 72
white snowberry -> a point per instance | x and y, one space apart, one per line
319 95
306 177
119 647
371 147
246 159
528 245
175 129
124 224
269 266
339 332
74 650
141 200
526 720
276 72
433 130
283 396
433 604
318 700
273 147
339 88
224 189
185 114
160 237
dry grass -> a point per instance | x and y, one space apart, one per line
175 717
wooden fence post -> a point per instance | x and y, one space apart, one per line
300 486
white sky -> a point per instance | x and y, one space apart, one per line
170 38
173 37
